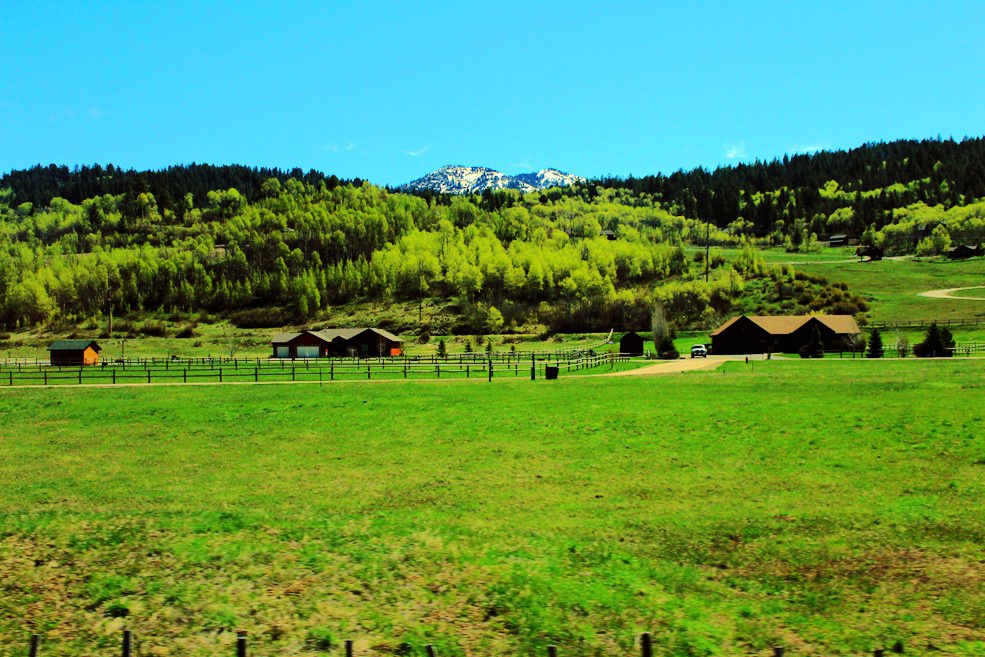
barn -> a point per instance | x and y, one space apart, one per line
964 251
74 353
631 344
757 334
362 342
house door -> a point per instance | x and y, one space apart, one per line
307 351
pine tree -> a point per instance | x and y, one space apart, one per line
875 344
442 349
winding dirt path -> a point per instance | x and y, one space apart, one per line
949 293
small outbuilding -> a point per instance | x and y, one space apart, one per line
757 334
963 251
838 240
74 353
631 344
362 342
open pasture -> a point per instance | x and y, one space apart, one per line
831 507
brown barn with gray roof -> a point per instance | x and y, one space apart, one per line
73 353
757 334
362 342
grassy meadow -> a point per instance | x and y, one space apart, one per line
831 507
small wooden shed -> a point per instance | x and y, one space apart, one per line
631 344
73 353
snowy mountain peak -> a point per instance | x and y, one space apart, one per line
456 179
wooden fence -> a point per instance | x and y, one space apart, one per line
645 644
924 324
147 371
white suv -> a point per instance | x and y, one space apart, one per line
699 351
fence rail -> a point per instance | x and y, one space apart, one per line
129 647
310 370
925 323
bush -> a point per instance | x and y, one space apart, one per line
187 332
666 349
153 328
272 317
442 349
938 342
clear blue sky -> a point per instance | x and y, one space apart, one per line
390 91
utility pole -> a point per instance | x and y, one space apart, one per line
707 249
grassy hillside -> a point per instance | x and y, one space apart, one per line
831 507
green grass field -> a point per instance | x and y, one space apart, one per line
831 507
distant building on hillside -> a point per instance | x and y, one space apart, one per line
362 342
74 353
756 334
838 240
963 251
631 344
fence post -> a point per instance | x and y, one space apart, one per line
348 648
148 376
369 370
184 375
127 639
46 377
646 646
331 371
778 651
490 369
430 650
240 643
32 651
551 651
80 376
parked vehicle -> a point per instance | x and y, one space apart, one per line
699 351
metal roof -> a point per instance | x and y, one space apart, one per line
73 345
335 334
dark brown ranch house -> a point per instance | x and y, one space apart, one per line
757 334
362 342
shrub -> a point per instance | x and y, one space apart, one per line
442 349
153 328
666 348
938 342
187 332
271 317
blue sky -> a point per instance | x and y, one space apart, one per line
389 91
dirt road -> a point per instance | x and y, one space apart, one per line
949 293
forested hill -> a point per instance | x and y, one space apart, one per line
872 179
896 174
39 184
234 239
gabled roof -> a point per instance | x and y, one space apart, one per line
785 325
335 334
348 334
73 345
839 323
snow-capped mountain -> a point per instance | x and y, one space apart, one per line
455 179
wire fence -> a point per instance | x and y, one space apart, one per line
130 647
